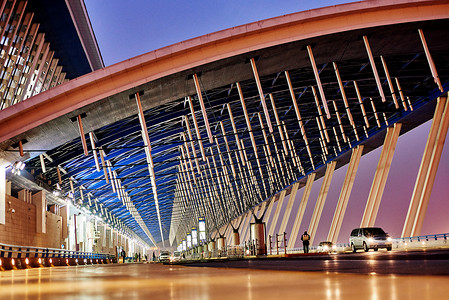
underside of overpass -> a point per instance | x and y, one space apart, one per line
229 134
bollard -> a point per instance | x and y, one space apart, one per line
269 238
285 243
277 244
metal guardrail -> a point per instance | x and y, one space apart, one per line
241 251
13 251
435 237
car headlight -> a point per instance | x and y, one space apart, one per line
325 248
334 247
370 240
389 239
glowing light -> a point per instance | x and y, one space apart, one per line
27 261
13 262
51 260
67 261
40 260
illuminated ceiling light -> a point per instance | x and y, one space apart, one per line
390 82
203 108
373 67
261 95
147 143
278 123
362 106
318 81
94 150
195 123
41 157
234 128
433 69
189 132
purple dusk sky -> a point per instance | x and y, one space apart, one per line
125 29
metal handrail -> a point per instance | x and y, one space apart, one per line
40 252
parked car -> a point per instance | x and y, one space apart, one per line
175 257
326 246
369 238
164 256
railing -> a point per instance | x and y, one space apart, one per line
19 257
248 249
420 238
12 251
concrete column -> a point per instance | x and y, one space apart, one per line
235 237
301 210
259 233
2 195
427 170
381 175
211 246
221 241
277 212
65 217
288 209
316 216
40 202
344 194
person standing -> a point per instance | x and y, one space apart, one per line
305 238
124 255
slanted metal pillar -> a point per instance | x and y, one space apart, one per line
301 210
276 213
321 200
289 207
380 177
344 194
245 225
427 170
269 209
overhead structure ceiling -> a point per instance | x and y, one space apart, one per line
223 179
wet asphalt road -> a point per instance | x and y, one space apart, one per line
420 262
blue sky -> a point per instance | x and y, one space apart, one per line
125 29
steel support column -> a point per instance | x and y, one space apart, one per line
269 210
289 207
245 225
277 212
381 175
427 170
301 210
321 200
344 194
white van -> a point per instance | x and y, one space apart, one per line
164 256
369 238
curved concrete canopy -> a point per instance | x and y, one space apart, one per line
222 60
